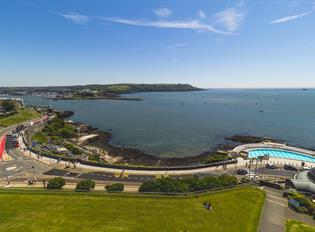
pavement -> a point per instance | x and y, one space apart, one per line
276 212
69 185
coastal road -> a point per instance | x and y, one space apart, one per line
20 166
276 172
23 166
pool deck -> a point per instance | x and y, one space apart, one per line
277 160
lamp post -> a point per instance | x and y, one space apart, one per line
6 174
34 176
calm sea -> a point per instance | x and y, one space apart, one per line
170 124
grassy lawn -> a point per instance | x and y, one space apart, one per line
40 137
233 210
295 226
21 116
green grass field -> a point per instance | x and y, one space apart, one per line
295 226
233 210
22 116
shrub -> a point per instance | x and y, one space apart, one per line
171 185
227 180
216 158
73 149
85 185
301 210
116 187
148 186
245 180
8 105
56 183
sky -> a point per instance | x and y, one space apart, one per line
209 44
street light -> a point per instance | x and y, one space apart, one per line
6 174
34 176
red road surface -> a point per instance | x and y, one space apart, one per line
2 145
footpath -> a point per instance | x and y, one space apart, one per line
99 186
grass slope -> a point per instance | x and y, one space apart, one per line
233 210
295 226
21 116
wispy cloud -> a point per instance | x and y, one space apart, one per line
230 18
188 24
163 12
202 14
290 18
76 18
178 45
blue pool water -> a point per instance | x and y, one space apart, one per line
280 154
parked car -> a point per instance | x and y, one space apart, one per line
241 172
271 166
16 144
9 133
252 176
288 192
15 135
290 168
304 168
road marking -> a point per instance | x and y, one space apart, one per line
11 168
276 202
282 199
272 193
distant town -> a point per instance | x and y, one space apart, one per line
112 91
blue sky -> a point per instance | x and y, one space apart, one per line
204 43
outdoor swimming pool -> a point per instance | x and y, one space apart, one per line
280 154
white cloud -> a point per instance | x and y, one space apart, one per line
188 24
76 18
290 18
202 14
230 19
163 12
178 45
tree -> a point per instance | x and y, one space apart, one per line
148 186
8 105
85 185
116 187
56 183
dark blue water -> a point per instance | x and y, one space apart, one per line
185 123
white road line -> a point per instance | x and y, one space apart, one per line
282 199
272 193
276 202
11 168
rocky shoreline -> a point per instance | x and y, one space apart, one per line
134 156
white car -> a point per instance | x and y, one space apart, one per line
305 168
252 175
